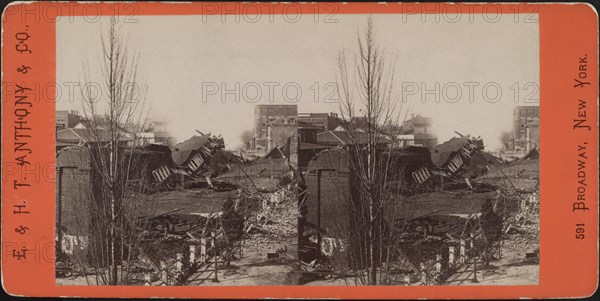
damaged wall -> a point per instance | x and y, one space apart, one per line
328 176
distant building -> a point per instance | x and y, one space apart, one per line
67 119
158 133
277 132
420 128
307 133
265 114
307 143
532 135
523 116
80 135
271 121
281 129
323 121
146 138
405 140
164 138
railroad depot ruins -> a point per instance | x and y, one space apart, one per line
196 214
454 214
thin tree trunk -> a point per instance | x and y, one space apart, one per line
373 78
113 237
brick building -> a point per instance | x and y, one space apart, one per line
324 205
323 121
78 193
265 114
273 124
67 119
73 197
523 116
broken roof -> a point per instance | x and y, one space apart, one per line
183 151
442 152
275 153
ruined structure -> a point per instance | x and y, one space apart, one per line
196 199
451 210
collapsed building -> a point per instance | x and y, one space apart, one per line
189 157
182 195
446 203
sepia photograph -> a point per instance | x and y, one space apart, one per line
426 171
317 150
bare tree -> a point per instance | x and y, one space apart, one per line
115 118
366 92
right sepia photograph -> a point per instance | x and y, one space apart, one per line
424 169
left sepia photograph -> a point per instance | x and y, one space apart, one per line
159 179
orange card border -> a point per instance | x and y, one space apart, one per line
567 32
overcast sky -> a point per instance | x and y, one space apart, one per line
188 61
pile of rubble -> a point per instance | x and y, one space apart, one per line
511 229
278 214
197 193
522 229
457 201
247 219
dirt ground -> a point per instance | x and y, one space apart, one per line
253 268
